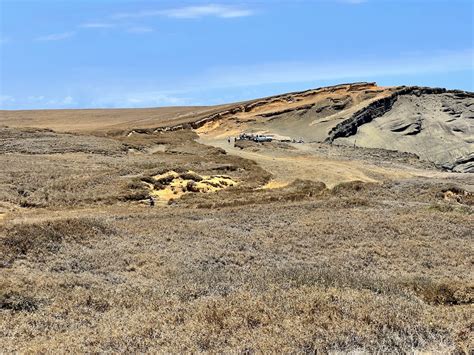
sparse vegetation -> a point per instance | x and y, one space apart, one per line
86 266
46 237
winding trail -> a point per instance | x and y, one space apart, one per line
305 161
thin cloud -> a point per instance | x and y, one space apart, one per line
192 12
353 2
141 99
294 72
61 102
56 36
140 30
154 98
36 98
68 100
97 25
4 40
221 11
5 99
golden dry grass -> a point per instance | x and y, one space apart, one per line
87 266
94 120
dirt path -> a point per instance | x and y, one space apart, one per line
287 166
304 162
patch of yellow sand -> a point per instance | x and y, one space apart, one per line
208 127
167 193
218 130
275 184
179 186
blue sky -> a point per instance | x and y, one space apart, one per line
104 53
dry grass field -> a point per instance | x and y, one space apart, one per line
315 248
96 120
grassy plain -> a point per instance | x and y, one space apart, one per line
88 266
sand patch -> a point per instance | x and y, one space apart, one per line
172 185
218 130
208 127
275 184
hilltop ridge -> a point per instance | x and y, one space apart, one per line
434 123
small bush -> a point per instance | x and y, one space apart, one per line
136 184
17 302
350 186
443 293
47 237
189 175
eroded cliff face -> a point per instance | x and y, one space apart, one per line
291 113
435 124
309 115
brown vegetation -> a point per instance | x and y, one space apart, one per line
88 266
279 276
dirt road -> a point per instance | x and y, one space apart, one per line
311 162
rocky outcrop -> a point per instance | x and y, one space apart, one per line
433 123
376 109
462 165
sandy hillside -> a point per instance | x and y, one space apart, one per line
435 124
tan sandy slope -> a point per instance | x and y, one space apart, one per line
435 124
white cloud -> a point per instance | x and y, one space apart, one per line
58 103
5 99
36 98
68 100
192 12
222 11
140 29
141 99
4 40
97 25
37 102
56 36
353 2
139 14
154 98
